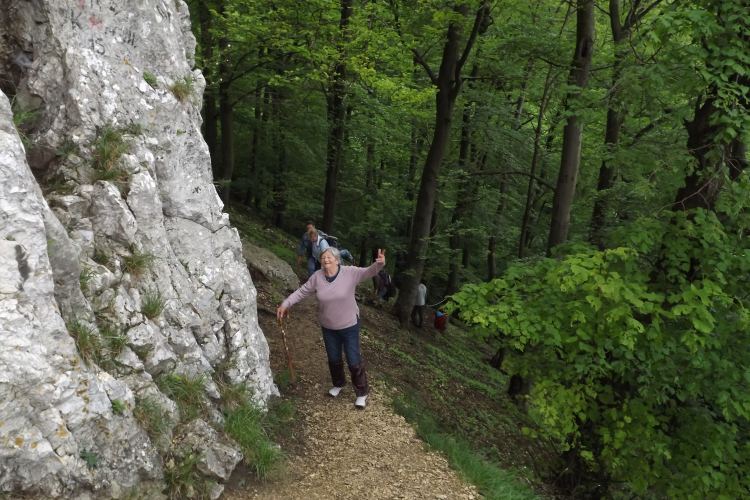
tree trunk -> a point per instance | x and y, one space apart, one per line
278 203
252 189
522 240
615 120
210 124
226 112
491 265
573 131
448 82
336 121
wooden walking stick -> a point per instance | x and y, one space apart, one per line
286 347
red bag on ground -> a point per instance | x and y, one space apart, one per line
440 319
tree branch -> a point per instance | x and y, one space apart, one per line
472 38
419 59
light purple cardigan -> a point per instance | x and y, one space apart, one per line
338 308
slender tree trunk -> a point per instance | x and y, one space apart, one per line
448 82
226 113
336 120
278 203
491 246
522 240
210 123
573 131
252 189
615 120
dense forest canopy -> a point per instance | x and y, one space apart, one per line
578 167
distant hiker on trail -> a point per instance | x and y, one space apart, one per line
378 284
339 317
312 243
419 304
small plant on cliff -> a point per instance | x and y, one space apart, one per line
153 304
150 79
87 342
137 263
91 458
101 255
151 417
87 274
23 119
186 391
182 478
113 338
118 407
182 88
108 149
246 426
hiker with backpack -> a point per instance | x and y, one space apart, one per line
313 242
334 286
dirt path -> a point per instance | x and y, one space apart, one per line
342 452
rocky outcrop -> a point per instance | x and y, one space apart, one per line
270 266
128 241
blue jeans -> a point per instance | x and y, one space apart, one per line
348 338
312 266
346 254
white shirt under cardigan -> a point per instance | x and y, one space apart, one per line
338 308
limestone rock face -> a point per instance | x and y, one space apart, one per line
270 266
102 241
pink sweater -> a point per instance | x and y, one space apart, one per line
338 309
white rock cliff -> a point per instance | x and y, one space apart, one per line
74 70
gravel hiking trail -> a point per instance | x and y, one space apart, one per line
340 452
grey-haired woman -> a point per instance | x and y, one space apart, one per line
334 286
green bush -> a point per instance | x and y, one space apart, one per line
118 407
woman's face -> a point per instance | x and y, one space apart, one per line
328 261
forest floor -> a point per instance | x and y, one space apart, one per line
438 423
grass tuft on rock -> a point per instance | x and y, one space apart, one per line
150 79
182 478
87 342
114 339
187 392
109 147
153 304
246 423
183 88
151 417
137 263
85 278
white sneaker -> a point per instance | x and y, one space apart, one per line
335 391
361 401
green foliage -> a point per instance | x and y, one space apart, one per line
108 148
187 392
628 368
137 263
283 379
23 120
182 88
91 458
151 417
150 79
153 304
118 407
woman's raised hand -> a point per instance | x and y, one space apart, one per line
381 256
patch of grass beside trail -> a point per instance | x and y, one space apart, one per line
487 475
260 234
